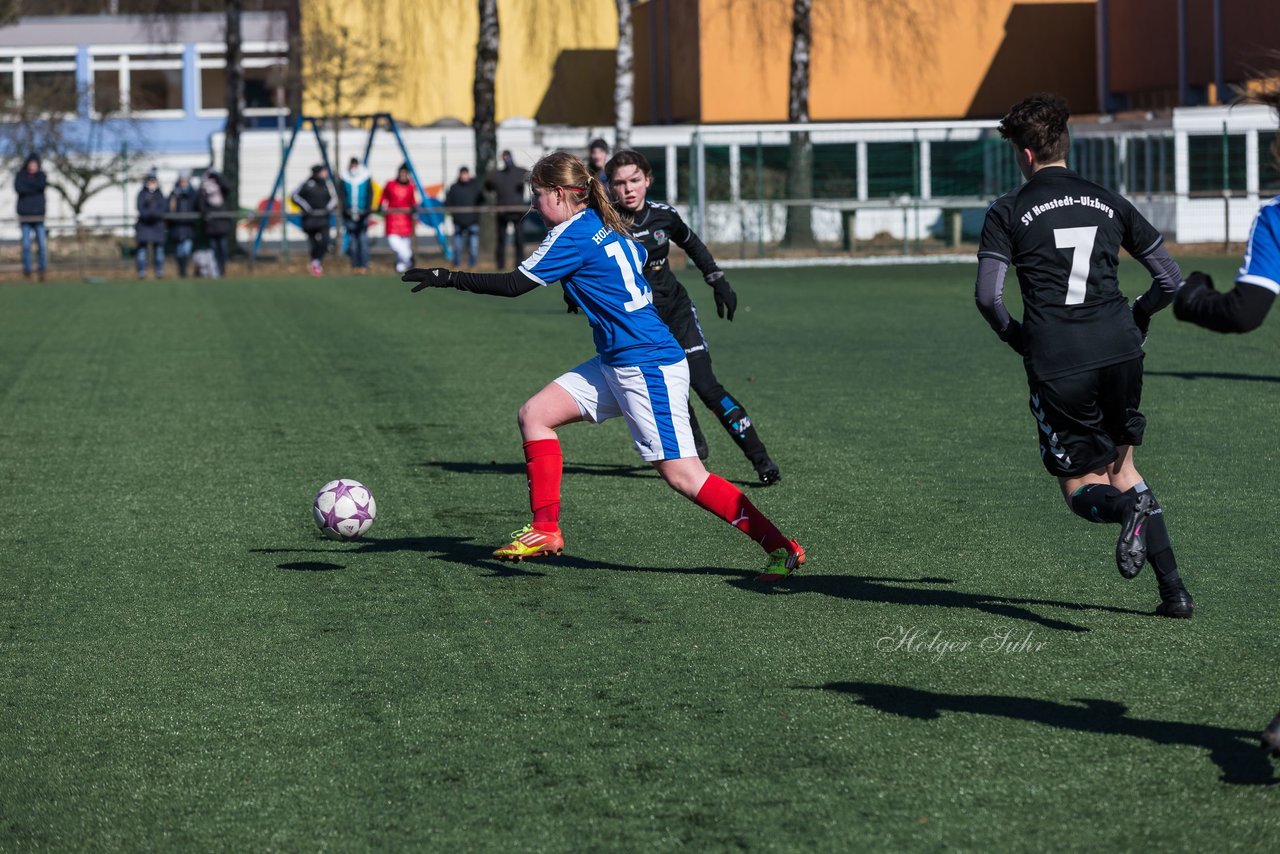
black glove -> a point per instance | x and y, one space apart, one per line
1141 318
429 277
1012 336
1197 286
726 299
571 304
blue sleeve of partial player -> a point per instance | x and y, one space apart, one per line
556 258
1262 255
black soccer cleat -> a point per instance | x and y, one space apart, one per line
767 471
1176 603
1131 548
1271 737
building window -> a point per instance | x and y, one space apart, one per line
106 91
893 169
763 172
6 86
155 89
213 89
1216 163
958 168
835 171
1268 163
263 81
50 91
1149 164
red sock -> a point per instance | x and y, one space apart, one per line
727 501
544 463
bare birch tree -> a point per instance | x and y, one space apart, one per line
624 79
235 104
484 95
799 231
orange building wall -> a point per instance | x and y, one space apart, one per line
906 59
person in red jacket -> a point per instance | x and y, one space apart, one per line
399 201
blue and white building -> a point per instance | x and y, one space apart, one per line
163 78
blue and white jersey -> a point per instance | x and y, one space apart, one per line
604 271
1261 265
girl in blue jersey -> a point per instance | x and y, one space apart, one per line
1244 307
639 371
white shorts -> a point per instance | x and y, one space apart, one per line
402 245
653 398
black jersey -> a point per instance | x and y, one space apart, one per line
1064 235
656 226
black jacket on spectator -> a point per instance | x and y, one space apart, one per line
508 186
316 202
468 195
151 208
212 200
183 203
30 190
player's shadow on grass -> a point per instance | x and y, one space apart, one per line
310 566
1235 751
1213 375
601 469
453 549
887 591
645 471
908 591
861 588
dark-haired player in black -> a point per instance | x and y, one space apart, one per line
1080 341
656 226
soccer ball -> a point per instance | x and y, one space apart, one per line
344 509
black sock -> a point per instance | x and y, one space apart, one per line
1100 502
1159 546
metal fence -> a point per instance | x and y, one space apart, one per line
865 189
923 190
104 246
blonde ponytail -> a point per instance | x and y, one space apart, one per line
563 170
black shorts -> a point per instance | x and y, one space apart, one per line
1081 418
682 319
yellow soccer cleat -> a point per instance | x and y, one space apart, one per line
782 563
527 543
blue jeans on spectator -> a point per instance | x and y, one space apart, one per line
220 245
358 243
182 251
466 237
157 251
34 230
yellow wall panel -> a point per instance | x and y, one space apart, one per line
555 59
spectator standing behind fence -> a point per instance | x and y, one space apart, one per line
357 202
467 193
317 205
597 157
399 201
182 221
149 230
29 184
507 186
217 218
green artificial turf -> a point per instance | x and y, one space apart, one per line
186 664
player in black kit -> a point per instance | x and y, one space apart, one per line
656 226
1080 341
